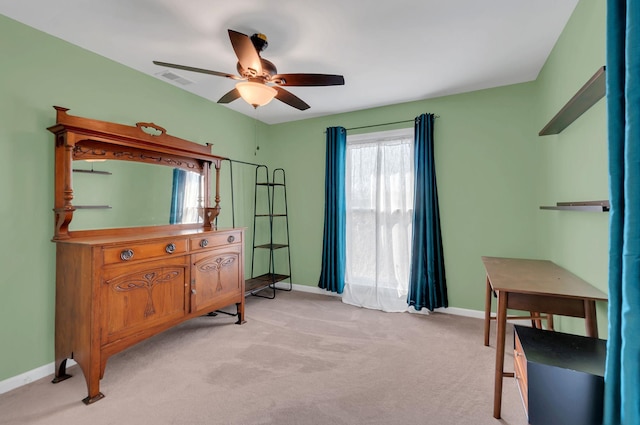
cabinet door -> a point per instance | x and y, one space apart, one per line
216 278
137 297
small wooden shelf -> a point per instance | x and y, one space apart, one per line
585 98
92 207
595 206
78 170
263 281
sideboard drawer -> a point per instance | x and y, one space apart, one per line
215 239
144 251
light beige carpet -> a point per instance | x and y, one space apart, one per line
300 359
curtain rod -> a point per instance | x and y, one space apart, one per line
380 125
233 208
242 162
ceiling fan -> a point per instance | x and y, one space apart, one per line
260 81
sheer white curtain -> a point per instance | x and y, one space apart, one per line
379 196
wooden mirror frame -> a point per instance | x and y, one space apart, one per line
78 138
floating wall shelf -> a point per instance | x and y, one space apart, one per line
595 206
585 98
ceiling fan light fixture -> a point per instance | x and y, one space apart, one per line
256 94
261 79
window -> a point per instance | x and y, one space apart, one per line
379 201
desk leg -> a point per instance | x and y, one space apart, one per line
487 313
500 344
591 321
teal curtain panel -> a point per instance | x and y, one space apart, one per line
334 236
622 375
427 282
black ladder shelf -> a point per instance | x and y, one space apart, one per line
278 266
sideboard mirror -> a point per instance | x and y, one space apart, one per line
110 175
114 194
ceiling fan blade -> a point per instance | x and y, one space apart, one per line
308 80
290 99
230 96
200 70
246 52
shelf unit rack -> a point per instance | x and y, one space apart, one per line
259 282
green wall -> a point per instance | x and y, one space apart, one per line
493 170
574 162
486 165
39 71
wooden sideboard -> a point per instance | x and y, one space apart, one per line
116 287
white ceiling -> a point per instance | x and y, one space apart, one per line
388 51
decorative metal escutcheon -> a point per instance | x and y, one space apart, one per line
231 238
204 243
126 254
170 248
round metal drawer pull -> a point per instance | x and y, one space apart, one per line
170 248
126 254
231 238
204 243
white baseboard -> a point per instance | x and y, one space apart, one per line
314 290
449 310
30 376
48 369
476 314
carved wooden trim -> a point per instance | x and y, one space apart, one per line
90 149
146 280
215 266
209 217
147 127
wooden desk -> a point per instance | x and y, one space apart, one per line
533 285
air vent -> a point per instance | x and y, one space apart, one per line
172 76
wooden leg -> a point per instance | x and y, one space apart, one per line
487 313
591 322
500 344
240 312
550 322
92 372
535 320
61 371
